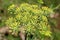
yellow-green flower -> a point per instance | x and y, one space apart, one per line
45 8
11 7
48 33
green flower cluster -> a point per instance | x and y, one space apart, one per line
33 19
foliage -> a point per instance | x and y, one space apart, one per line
52 3
33 19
